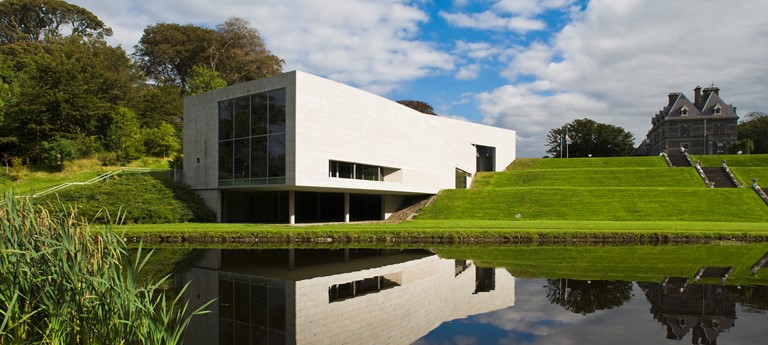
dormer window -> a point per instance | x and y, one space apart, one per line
718 109
684 111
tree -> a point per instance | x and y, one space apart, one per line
67 88
161 141
167 52
124 137
204 79
754 126
585 138
7 85
239 53
58 151
745 146
37 20
423 107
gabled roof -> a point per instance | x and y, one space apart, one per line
712 101
674 110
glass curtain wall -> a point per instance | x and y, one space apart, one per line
252 139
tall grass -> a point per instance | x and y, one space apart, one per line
62 284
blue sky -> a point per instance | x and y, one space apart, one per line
528 65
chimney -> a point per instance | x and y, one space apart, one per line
672 98
697 97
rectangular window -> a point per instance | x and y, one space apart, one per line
259 111
225 119
226 164
242 159
359 171
277 111
259 162
242 117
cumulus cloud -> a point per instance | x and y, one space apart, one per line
372 45
491 21
616 62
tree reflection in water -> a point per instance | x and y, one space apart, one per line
587 296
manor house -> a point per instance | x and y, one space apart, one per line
705 126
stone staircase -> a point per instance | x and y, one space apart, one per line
718 177
678 160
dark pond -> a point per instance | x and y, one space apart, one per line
513 295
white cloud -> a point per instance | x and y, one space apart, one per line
489 20
368 44
530 7
616 62
468 72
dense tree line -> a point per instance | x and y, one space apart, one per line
753 134
65 92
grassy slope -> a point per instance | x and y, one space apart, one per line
601 189
590 177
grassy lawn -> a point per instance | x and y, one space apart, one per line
732 160
612 204
608 177
747 174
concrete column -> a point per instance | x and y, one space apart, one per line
291 207
291 259
346 207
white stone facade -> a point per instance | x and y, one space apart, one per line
328 121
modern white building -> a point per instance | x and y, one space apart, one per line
300 148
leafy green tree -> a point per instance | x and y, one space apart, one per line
161 141
7 85
585 138
158 104
37 20
745 146
67 88
58 151
423 107
754 126
124 136
204 79
239 53
168 52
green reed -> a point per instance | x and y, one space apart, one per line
64 283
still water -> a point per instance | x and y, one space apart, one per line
514 295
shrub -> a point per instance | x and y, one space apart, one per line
58 151
140 198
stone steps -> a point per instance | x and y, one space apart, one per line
718 177
678 160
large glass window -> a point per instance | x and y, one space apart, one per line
225 119
242 117
277 112
252 139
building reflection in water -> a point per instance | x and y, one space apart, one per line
704 310
313 296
